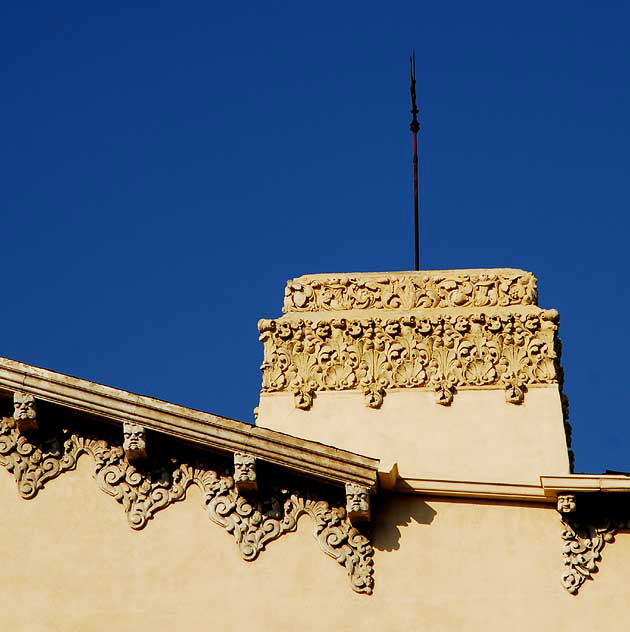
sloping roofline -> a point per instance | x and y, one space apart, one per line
195 426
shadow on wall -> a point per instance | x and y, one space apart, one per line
395 512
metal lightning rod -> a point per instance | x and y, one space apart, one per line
415 128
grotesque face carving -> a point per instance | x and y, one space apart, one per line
24 411
357 502
134 441
244 471
23 406
567 503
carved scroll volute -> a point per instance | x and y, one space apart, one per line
357 503
24 412
134 442
245 472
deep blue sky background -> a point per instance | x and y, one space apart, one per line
165 167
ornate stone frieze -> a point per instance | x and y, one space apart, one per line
586 529
409 290
443 353
147 488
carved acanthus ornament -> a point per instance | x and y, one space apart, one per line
409 291
443 353
144 490
586 529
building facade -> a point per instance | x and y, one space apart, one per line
410 468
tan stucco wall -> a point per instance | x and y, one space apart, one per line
70 562
479 437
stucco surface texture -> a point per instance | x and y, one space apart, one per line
478 437
70 562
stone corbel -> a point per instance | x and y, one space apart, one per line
358 503
24 412
245 472
134 442
587 526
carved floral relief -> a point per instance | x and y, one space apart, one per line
441 353
449 289
142 491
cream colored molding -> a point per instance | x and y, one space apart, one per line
245 472
443 353
467 489
134 442
553 485
203 429
143 492
24 412
410 290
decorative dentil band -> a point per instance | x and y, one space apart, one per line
411 291
254 521
442 353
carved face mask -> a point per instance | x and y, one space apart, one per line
24 406
134 437
244 468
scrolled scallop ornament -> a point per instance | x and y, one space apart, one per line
443 353
421 290
147 488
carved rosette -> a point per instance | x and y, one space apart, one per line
411 291
144 491
443 353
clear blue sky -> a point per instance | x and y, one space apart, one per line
167 166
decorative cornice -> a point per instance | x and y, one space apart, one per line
443 353
410 290
254 521
200 428
608 483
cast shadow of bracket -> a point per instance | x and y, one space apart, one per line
394 513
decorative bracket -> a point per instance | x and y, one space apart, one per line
587 526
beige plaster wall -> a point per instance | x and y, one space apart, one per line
70 562
479 437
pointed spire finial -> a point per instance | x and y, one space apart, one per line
415 128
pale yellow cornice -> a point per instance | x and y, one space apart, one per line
201 428
554 485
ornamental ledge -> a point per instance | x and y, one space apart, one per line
512 350
410 290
